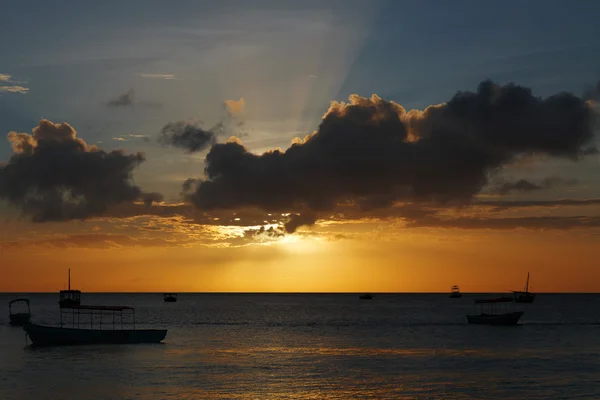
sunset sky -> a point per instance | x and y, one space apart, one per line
344 146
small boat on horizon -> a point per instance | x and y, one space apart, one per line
19 318
170 297
455 292
524 296
41 335
69 298
366 296
493 312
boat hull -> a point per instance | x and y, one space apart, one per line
455 295
525 298
19 319
170 300
53 336
496 319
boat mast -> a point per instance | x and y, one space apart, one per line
69 279
527 284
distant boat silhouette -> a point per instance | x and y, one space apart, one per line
366 296
170 297
69 298
525 296
492 316
18 318
455 292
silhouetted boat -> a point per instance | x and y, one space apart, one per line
366 296
58 336
493 317
526 296
18 318
170 297
69 298
455 292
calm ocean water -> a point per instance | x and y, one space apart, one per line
315 346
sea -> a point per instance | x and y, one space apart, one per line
314 346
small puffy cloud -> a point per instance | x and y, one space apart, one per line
235 108
188 135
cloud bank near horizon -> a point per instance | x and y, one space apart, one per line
368 153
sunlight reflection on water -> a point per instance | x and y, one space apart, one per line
315 347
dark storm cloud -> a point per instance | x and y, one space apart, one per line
55 176
525 186
123 100
297 220
188 135
151 197
373 151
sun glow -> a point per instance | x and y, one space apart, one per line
302 244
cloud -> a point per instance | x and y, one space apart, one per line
56 176
235 108
372 149
123 100
86 241
159 76
145 138
592 93
298 220
191 135
535 223
525 186
128 99
188 135
505 205
8 85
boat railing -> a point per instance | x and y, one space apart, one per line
97 316
495 305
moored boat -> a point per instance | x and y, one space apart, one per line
69 298
525 296
455 292
366 296
18 318
495 312
170 297
111 332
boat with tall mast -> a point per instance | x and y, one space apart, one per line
524 296
69 298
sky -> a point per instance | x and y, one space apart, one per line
314 146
